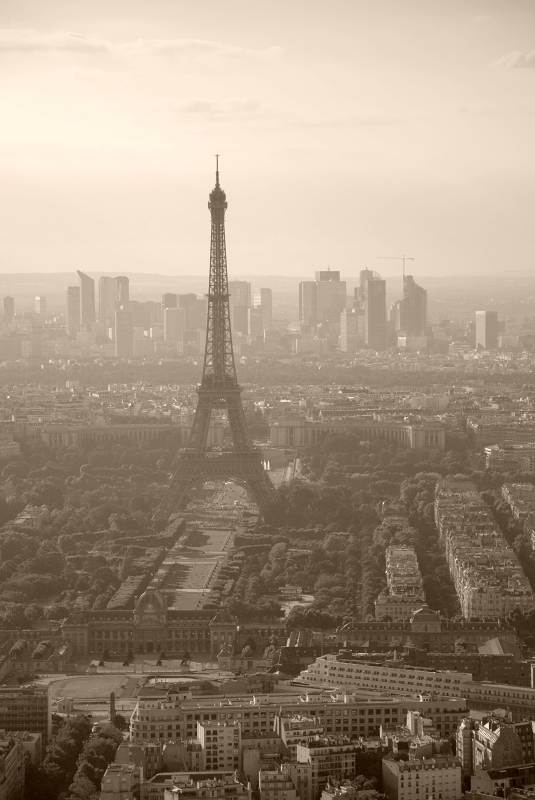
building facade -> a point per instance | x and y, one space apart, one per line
150 628
437 778
87 298
296 431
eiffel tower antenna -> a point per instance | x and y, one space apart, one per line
218 389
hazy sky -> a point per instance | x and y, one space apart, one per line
348 129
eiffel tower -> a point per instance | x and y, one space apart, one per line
218 389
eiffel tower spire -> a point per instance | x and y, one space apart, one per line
218 389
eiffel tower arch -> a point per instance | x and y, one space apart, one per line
218 389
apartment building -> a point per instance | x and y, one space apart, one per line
330 758
516 457
274 784
498 429
301 774
220 744
170 715
297 729
121 782
404 592
194 786
505 782
520 497
437 778
494 743
487 575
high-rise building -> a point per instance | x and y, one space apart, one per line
412 309
73 311
364 276
124 334
123 289
174 325
487 330
239 319
326 275
375 313
308 302
107 299
349 330
87 298
40 305
156 311
255 323
144 313
196 309
239 293
331 295
169 300
9 310
264 299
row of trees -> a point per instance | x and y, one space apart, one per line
74 763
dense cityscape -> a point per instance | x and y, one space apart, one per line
267 418
322 587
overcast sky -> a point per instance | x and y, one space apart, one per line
348 129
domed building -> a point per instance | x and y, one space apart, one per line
150 627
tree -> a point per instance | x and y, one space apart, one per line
120 722
59 764
98 752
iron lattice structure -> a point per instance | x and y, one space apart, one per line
218 389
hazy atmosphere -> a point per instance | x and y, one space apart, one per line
347 130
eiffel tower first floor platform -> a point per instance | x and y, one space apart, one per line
245 468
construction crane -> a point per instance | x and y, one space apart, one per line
398 258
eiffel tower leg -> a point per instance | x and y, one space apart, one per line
237 423
174 496
201 423
262 490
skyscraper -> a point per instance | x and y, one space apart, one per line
487 330
174 325
239 319
169 300
348 330
196 309
107 299
9 310
73 311
331 295
255 323
40 305
412 309
87 298
308 302
375 312
364 275
264 299
123 289
240 293
124 334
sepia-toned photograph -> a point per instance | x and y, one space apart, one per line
267 399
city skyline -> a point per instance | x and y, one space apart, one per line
372 131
